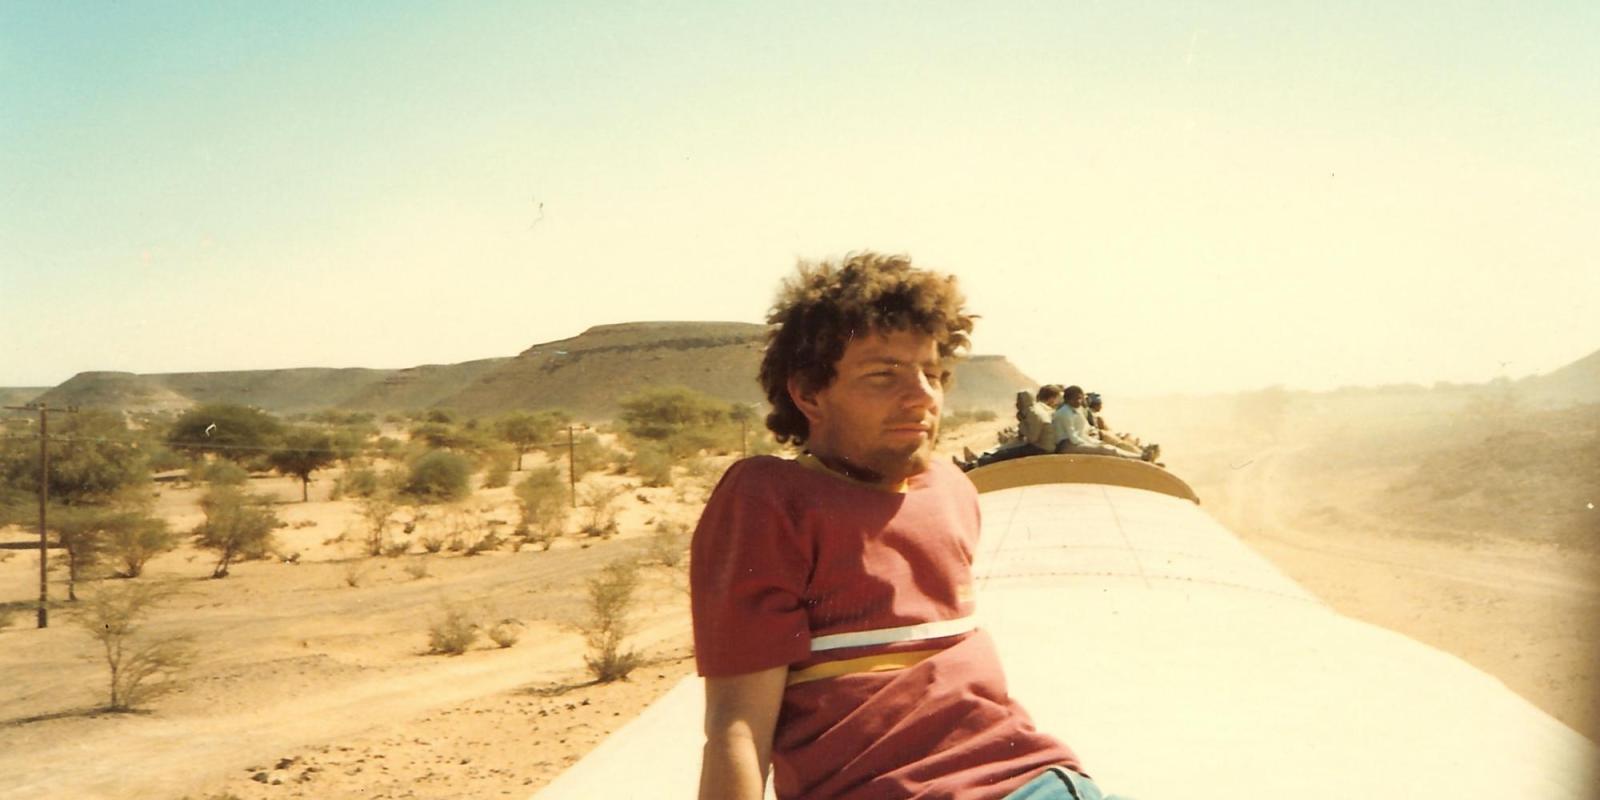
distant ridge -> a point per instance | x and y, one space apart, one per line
588 373
1578 382
585 375
17 395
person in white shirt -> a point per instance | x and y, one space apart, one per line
1072 430
1098 429
1035 428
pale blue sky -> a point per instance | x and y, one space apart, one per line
1139 197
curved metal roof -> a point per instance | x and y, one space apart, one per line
1180 664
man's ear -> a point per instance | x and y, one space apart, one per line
804 399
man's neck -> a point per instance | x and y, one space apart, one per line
854 472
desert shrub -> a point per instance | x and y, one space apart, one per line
375 510
355 573
505 633
599 503
965 416
524 431
610 607
668 542
482 544
702 469
719 439
464 531
140 668
417 568
542 497
350 439
79 532
761 443
661 413
653 464
452 632
300 452
219 473
590 454
224 429
136 537
396 549
163 458
498 473
431 542
438 476
358 481
95 458
237 526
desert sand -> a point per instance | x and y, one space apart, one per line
313 678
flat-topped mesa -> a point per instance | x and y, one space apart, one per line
677 335
586 375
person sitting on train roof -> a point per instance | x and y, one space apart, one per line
1034 422
1099 429
1072 431
832 594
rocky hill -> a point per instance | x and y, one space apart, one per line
588 373
1578 382
585 375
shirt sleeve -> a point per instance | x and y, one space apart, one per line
747 577
1044 434
1060 425
1077 429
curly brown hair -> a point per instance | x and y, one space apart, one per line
819 310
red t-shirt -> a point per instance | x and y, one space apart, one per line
866 595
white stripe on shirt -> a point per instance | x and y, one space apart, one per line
905 633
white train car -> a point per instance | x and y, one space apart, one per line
1180 664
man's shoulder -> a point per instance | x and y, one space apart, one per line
944 476
761 475
763 467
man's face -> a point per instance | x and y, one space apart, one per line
880 415
1054 402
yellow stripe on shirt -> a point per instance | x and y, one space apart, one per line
883 662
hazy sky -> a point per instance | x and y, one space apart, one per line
1138 197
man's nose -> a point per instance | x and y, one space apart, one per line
921 392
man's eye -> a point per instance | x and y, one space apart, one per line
937 378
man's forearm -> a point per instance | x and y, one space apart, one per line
732 768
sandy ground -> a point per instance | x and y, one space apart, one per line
1501 590
313 680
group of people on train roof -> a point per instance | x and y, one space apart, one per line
1063 420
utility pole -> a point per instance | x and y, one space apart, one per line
44 499
744 428
572 465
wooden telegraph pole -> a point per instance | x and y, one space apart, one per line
44 500
572 465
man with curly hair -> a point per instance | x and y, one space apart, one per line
832 593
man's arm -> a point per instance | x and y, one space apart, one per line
1077 430
741 714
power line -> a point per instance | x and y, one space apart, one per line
44 501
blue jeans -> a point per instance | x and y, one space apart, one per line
1059 783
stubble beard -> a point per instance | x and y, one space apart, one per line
899 463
